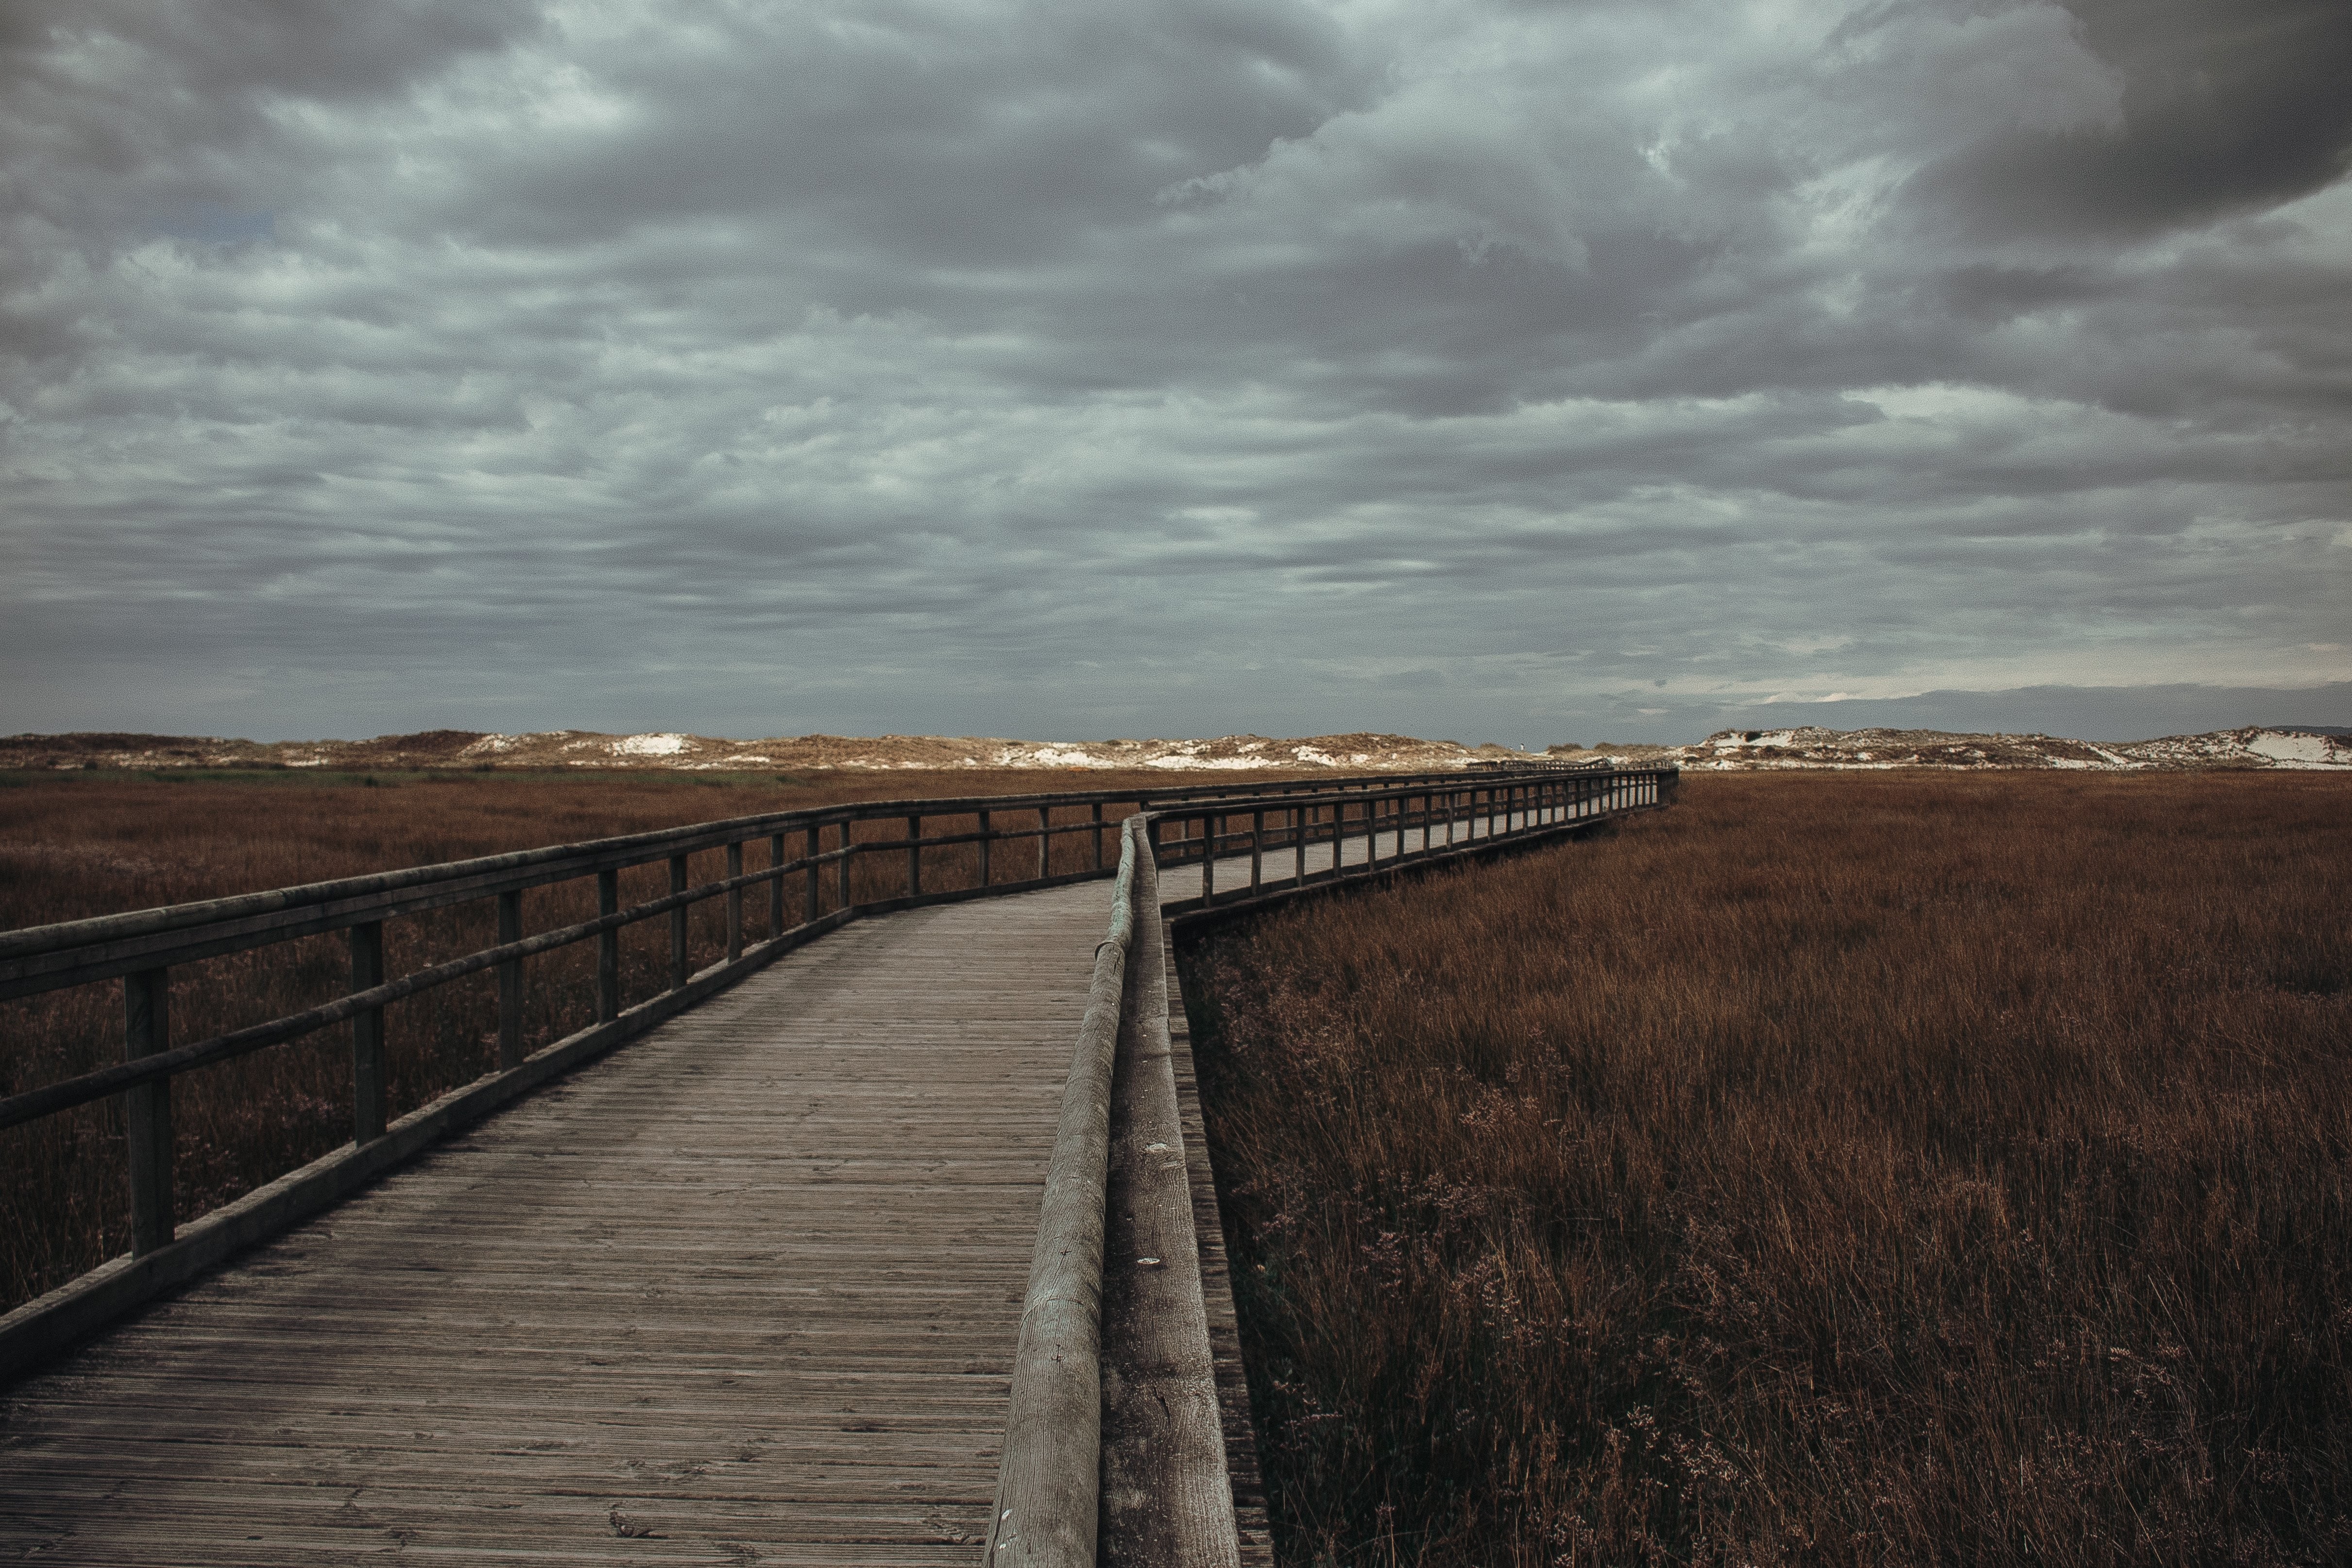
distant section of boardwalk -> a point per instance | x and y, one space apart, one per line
747 1291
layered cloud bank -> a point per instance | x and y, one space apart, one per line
1061 369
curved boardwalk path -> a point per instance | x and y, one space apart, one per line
745 1291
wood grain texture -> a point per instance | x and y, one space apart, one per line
1165 1498
747 1291
1254 1536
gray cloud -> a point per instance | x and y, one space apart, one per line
1185 367
2222 109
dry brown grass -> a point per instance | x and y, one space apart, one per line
1895 1169
77 845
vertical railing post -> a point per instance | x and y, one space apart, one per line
848 828
367 1034
677 923
1208 865
608 949
812 892
776 885
987 833
1045 842
147 1029
1257 847
734 903
914 855
1098 837
1299 845
510 982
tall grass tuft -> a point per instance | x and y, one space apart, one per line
1899 1169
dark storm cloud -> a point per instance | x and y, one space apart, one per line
2223 108
1180 366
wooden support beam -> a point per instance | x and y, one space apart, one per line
367 1035
147 1029
677 967
510 1052
734 903
608 949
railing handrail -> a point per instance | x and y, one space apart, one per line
376 895
104 947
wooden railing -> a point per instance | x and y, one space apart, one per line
815 847
1448 816
1070 1421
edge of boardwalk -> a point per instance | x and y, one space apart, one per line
1130 1441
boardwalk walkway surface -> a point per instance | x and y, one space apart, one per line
746 1292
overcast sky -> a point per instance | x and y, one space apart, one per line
1526 372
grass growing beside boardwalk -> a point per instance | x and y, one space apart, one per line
81 844
1891 1169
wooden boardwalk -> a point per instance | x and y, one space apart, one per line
746 1292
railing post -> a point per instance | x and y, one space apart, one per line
987 833
147 1029
510 982
1045 842
810 894
775 885
1298 842
367 1035
608 949
914 855
1257 847
848 827
1208 865
1098 839
677 923
734 904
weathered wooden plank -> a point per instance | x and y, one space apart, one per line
1165 1497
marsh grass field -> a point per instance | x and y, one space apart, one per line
76 844
1893 1168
